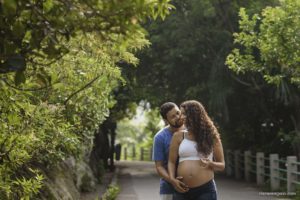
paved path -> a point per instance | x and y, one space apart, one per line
138 181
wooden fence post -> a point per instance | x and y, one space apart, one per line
274 172
260 168
125 153
237 164
229 164
150 153
290 176
142 153
133 152
247 163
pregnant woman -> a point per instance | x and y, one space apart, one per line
200 153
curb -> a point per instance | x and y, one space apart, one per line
114 179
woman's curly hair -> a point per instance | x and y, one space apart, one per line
200 124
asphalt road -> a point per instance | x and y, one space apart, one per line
139 181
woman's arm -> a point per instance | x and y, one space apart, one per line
218 164
173 155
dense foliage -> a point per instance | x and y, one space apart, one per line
64 66
59 64
46 126
111 193
270 47
187 61
33 31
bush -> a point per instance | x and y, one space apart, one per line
297 196
111 193
86 183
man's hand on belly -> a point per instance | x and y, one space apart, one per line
179 185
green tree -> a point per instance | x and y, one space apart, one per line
37 31
186 60
44 127
269 47
66 57
139 129
153 125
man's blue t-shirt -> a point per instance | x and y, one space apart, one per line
161 144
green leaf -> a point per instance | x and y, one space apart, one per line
27 37
9 47
43 77
42 80
47 5
13 119
18 29
20 78
9 7
58 86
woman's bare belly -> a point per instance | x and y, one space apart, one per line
193 174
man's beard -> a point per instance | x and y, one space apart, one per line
176 124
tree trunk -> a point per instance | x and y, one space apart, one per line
100 151
296 122
112 150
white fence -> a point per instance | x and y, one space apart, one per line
280 172
133 153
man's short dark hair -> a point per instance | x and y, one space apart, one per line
165 108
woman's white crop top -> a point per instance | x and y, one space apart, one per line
188 150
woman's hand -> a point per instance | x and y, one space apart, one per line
205 162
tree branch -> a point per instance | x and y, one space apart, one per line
224 15
81 89
240 81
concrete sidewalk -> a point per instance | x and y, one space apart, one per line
139 181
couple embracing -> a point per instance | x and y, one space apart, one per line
187 152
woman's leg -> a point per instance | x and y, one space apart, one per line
211 195
204 192
179 196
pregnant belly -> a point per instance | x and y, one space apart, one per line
193 174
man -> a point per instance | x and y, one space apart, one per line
171 115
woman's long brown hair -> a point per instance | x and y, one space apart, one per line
199 123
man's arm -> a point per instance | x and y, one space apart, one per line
162 172
158 157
